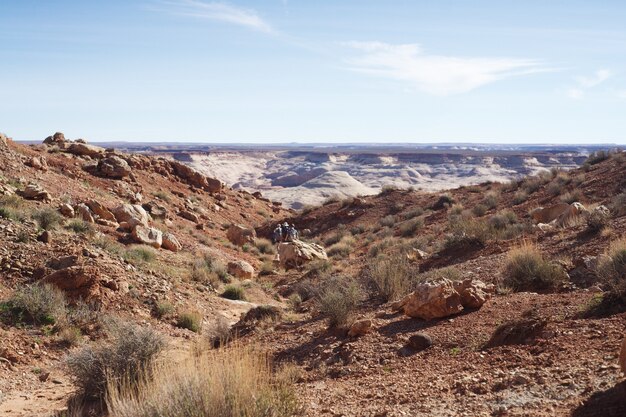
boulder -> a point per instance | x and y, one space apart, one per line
192 217
38 162
297 253
45 237
360 328
170 242
83 212
113 167
57 139
76 281
35 192
622 357
101 211
443 298
147 235
82 149
66 210
196 179
131 214
573 212
241 269
240 235
156 210
419 342
474 293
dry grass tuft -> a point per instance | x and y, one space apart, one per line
525 269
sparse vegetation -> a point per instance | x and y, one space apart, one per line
598 220
264 246
163 309
138 255
120 360
388 221
520 197
618 204
392 276
410 227
47 219
12 208
572 197
449 272
80 226
612 272
190 320
342 248
38 304
338 299
238 381
444 201
526 269
597 157
491 200
234 292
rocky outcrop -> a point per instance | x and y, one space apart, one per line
38 162
66 210
196 179
561 214
443 298
155 209
147 235
240 269
78 282
35 192
83 212
113 167
240 235
101 211
82 149
192 217
170 242
297 253
57 139
131 215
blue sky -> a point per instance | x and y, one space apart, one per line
314 71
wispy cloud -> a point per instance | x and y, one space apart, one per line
220 11
584 83
435 74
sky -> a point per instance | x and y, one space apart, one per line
333 71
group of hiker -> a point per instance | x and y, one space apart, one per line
285 233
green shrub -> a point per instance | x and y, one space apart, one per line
234 292
125 356
265 246
80 226
525 269
139 255
410 227
392 276
190 320
38 303
47 219
338 299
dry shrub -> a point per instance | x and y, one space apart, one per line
342 248
264 246
572 197
520 197
597 157
37 303
618 204
491 200
234 381
47 219
378 247
392 276
410 227
338 299
234 292
525 269
449 272
190 320
124 356
388 221
444 201
597 221
466 232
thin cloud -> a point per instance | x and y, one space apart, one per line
584 83
435 74
219 11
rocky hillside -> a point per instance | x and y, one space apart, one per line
494 299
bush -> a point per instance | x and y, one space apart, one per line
449 272
39 304
139 254
444 201
491 200
392 276
618 204
338 299
465 232
597 157
388 188
378 247
612 267
80 226
318 267
121 360
572 197
11 208
533 184
410 227
163 309
47 219
417 211
334 238
190 320
339 250
525 269
597 221
520 197
234 292
238 381
264 246
70 336
479 210
388 221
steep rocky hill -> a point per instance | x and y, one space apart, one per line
149 241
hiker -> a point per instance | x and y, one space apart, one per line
278 234
285 229
293 232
